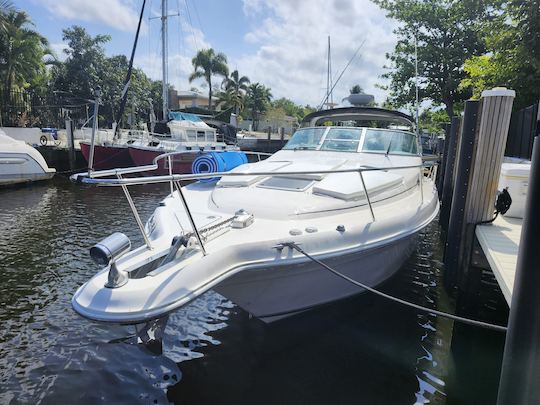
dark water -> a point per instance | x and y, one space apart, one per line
362 350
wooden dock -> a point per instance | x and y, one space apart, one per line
500 243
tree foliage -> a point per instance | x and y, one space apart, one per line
356 89
22 52
291 108
258 100
207 64
447 35
235 89
87 67
513 53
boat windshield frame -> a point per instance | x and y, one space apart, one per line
318 141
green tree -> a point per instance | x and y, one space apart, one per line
5 7
291 108
22 52
447 35
87 67
433 120
513 53
238 87
258 100
81 73
207 64
356 89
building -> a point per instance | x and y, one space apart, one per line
188 99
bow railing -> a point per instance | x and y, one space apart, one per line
97 178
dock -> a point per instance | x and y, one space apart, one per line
500 244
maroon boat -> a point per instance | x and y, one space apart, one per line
181 163
108 156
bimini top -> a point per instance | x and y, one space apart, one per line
357 114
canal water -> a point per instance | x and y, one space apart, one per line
362 350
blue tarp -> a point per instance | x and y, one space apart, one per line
182 116
217 162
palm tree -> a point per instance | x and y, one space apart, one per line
356 89
207 64
5 7
23 53
230 99
238 86
258 98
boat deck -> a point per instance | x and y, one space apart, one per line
500 243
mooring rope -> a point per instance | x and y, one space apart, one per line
457 318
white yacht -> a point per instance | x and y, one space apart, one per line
351 196
20 162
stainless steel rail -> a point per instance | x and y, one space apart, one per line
148 168
175 182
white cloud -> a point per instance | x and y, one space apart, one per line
118 14
291 37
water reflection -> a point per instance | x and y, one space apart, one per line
361 350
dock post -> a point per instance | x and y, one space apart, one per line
487 157
269 141
448 179
520 375
456 228
491 142
71 143
440 172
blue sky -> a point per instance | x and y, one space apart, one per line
280 43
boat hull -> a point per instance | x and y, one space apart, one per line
181 162
108 156
276 293
18 168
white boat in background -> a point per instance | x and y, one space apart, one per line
186 135
21 163
354 197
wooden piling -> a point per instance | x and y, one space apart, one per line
521 361
490 145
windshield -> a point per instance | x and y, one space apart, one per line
396 142
308 138
342 139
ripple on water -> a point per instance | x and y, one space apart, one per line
50 355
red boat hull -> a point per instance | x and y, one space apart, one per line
108 157
181 163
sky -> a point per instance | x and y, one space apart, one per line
279 43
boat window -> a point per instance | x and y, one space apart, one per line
307 138
392 141
191 136
210 136
342 139
286 183
200 136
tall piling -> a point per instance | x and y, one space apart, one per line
521 360
71 143
490 145
448 185
464 159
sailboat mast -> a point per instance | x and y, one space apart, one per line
328 84
164 58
